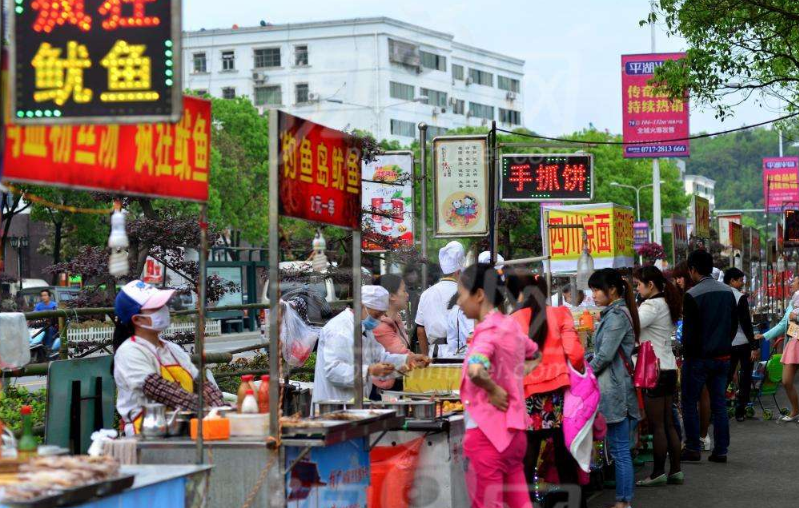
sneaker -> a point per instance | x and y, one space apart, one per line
690 456
789 419
676 478
720 459
707 443
653 482
740 418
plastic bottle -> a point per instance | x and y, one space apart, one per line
250 404
27 443
263 395
246 384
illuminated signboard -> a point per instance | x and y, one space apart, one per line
791 228
547 177
95 61
320 172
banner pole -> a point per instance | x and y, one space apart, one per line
494 189
423 215
277 488
199 338
357 310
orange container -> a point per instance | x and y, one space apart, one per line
217 429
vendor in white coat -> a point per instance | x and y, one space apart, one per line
334 377
431 313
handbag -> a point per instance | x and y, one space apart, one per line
647 368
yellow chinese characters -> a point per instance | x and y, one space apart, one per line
58 79
129 73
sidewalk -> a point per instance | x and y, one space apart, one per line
761 472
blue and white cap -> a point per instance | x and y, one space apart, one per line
137 296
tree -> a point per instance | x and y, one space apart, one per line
736 48
11 205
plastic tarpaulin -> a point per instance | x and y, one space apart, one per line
393 472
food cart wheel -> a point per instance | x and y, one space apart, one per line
767 414
750 412
784 411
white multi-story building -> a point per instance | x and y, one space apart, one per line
701 186
376 74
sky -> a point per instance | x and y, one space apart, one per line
572 48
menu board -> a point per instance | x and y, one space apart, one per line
460 166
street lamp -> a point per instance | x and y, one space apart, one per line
637 194
378 111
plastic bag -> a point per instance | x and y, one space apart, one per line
15 340
298 339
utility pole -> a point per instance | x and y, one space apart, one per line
657 218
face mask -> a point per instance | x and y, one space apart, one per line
160 320
370 323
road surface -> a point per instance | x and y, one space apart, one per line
760 472
219 344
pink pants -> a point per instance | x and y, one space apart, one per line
494 479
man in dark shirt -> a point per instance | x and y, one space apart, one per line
710 322
745 349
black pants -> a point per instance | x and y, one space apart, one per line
741 354
566 465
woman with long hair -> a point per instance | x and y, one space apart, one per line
614 341
659 313
552 330
493 393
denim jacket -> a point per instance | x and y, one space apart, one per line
615 383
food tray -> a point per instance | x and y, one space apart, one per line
78 495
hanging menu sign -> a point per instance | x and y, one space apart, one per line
460 165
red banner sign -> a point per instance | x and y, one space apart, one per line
780 183
159 160
650 118
320 173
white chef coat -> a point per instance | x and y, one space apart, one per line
334 377
134 361
459 328
433 309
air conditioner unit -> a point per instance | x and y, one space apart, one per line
511 96
469 81
259 77
453 101
313 97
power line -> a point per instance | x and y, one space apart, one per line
620 143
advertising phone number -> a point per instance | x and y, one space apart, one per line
657 149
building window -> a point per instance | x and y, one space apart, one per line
300 56
481 77
267 57
433 131
401 91
268 95
457 72
434 98
459 107
510 116
229 93
301 93
200 63
481 111
403 53
228 61
433 61
400 128
509 84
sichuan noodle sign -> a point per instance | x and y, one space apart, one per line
98 61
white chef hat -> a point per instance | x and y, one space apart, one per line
451 257
485 259
375 298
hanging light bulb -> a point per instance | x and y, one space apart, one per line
118 242
319 245
585 265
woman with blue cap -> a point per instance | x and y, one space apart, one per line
146 367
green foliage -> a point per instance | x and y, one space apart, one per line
735 47
11 401
239 169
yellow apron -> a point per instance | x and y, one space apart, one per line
174 373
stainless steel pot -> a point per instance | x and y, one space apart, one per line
178 423
423 410
154 422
